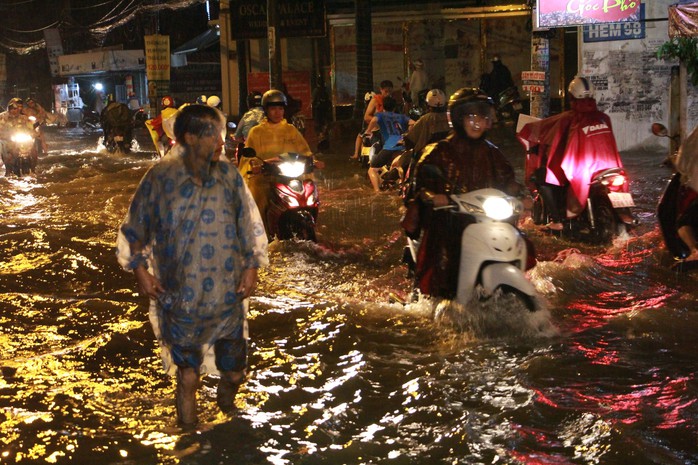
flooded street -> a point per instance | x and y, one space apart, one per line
339 374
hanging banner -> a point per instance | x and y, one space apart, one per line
157 57
54 48
297 18
561 13
683 20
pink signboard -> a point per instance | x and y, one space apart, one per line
561 13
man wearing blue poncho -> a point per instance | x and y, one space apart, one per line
194 239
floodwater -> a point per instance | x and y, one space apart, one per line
339 374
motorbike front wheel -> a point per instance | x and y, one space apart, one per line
511 295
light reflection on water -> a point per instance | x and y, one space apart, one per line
338 374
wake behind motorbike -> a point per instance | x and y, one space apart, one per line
292 209
494 255
607 212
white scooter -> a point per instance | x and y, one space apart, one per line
494 253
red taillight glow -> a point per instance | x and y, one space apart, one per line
618 181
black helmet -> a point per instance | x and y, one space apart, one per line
254 99
468 101
274 97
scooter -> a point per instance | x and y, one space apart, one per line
20 155
293 197
667 208
139 118
91 120
118 138
372 143
607 213
494 255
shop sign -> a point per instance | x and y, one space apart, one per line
157 57
533 81
616 31
297 18
561 13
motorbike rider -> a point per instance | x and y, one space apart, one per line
432 123
419 80
498 80
428 129
571 147
375 105
270 138
116 116
12 120
463 161
155 125
251 118
392 125
687 216
33 109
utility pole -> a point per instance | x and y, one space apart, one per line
274 45
540 61
364 54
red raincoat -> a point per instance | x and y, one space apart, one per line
574 145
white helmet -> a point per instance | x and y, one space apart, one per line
368 96
436 98
213 101
581 87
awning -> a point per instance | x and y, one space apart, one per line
683 20
201 42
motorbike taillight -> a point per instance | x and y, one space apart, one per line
615 183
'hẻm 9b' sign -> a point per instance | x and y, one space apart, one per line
297 18
559 13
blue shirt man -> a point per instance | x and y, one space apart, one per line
392 126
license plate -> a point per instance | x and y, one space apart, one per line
621 199
119 138
517 106
366 151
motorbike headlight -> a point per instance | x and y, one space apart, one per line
498 208
292 169
21 137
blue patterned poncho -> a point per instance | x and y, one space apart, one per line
198 240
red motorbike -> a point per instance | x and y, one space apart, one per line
293 197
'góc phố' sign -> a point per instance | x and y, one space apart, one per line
560 13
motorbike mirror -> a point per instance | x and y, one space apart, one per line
658 129
248 152
232 125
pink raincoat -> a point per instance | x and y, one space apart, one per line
577 143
